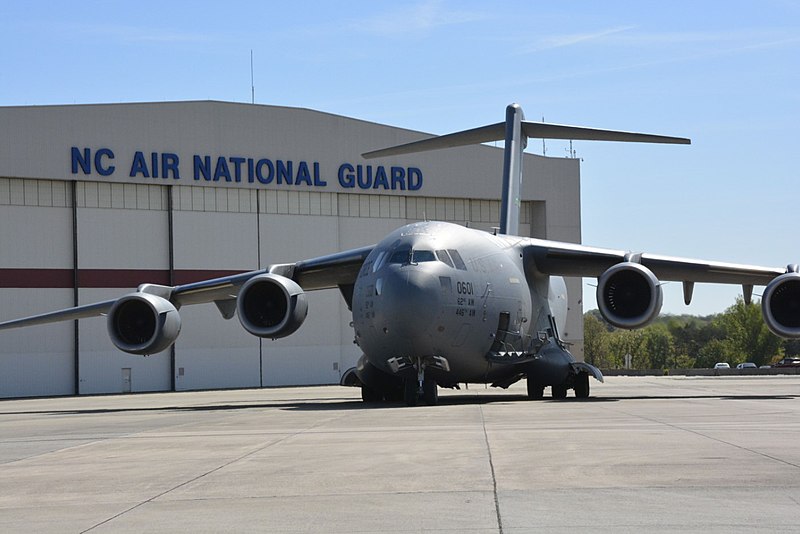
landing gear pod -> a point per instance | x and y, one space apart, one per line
141 323
781 305
629 295
271 306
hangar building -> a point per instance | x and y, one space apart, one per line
96 199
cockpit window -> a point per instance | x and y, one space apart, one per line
419 256
401 255
457 261
444 257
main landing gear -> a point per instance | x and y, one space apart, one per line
579 384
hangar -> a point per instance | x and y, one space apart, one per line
95 199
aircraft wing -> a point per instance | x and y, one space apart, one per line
568 259
331 271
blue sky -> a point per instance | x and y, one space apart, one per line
726 74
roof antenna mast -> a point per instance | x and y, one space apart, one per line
252 85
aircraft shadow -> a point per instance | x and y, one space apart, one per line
336 403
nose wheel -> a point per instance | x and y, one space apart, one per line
420 388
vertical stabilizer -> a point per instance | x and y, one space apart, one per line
512 170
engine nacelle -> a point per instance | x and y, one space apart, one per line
141 323
629 295
271 306
780 305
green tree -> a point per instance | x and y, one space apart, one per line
595 341
622 342
657 345
716 350
748 338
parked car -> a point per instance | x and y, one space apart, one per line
789 361
747 365
722 365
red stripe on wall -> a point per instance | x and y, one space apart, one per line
102 278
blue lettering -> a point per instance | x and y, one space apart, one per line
414 179
398 178
139 166
98 162
260 171
284 171
169 164
81 160
380 179
302 174
319 182
364 183
346 177
237 168
202 167
154 163
222 170
251 171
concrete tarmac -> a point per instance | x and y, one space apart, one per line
643 454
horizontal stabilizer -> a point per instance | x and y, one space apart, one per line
539 130
476 136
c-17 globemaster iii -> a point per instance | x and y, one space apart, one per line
437 304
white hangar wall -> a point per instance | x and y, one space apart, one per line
112 231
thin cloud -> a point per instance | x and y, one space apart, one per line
560 41
421 17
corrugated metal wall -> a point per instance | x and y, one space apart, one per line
122 234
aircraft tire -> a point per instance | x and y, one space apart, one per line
411 392
535 391
581 386
430 392
559 391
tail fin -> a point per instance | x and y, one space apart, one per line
516 131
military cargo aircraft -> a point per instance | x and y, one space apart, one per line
437 304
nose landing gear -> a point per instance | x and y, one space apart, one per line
423 387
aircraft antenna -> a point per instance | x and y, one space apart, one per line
252 85
544 146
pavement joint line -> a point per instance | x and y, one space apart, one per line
210 471
712 438
491 467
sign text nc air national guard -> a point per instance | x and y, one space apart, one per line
239 169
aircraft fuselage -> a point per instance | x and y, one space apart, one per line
453 300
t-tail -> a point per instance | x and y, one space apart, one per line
515 131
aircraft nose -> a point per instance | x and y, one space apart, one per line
409 303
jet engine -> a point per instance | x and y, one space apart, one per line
781 305
271 306
629 295
141 323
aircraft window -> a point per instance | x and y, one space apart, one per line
402 255
444 257
419 256
378 261
457 261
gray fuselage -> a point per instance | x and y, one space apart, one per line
434 289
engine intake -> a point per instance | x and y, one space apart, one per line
780 305
629 295
271 306
141 323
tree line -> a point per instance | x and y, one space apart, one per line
737 335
